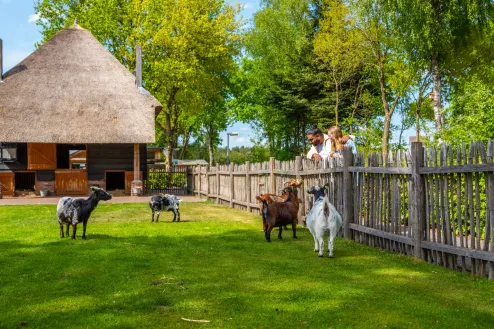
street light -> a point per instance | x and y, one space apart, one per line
228 145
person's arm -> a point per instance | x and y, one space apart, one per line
311 152
351 144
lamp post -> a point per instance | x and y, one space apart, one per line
228 145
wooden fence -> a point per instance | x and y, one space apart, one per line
435 204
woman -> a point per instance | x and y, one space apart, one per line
337 144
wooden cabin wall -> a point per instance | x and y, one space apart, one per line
113 157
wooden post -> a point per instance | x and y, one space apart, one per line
417 204
199 181
248 186
231 185
490 205
207 181
347 192
136 185
136 162
298 168
218 187
272 175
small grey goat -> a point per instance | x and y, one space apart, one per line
74 211
165 202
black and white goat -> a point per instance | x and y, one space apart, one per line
322 218
165 202
74 211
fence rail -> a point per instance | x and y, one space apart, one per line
435 204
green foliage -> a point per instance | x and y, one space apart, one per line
471 114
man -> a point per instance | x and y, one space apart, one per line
321 143
318 140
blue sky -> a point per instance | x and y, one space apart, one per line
19 33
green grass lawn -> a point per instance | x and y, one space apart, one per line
215 266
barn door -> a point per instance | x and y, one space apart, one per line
7 182
71 182
41 156
129 177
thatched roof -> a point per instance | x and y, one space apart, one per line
73 90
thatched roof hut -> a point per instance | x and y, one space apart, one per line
73 90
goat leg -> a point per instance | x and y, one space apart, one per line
61 230
321 245
67 230
279 232
84 224
294 228
74 229
267 234
152 216
178 212
158 217
331 243
174 215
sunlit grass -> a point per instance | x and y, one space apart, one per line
215 266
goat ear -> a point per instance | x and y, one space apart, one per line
258 198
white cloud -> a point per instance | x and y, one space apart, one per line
244 129
33 18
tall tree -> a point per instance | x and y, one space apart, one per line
339 46
435 30
387 59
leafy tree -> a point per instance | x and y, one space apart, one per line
387 59
437 31
339 46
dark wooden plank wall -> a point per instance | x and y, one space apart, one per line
113 157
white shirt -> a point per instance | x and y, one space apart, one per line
321 149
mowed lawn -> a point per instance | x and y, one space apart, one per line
215 266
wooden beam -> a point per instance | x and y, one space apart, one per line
137 159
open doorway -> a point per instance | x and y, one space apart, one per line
25 183
71 156
115 181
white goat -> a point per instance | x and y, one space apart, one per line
322 218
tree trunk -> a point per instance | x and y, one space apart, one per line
169 142
385 146
210 146
417 119
436 90
336 85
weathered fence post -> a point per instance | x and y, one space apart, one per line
198 181
207 181
490 205
231 184
298 168
417 205
248 185
347 192
272 176
190 181
218 188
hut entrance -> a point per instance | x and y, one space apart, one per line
25 181
115 180
71 156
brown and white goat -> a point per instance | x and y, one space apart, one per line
293 184
279 214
